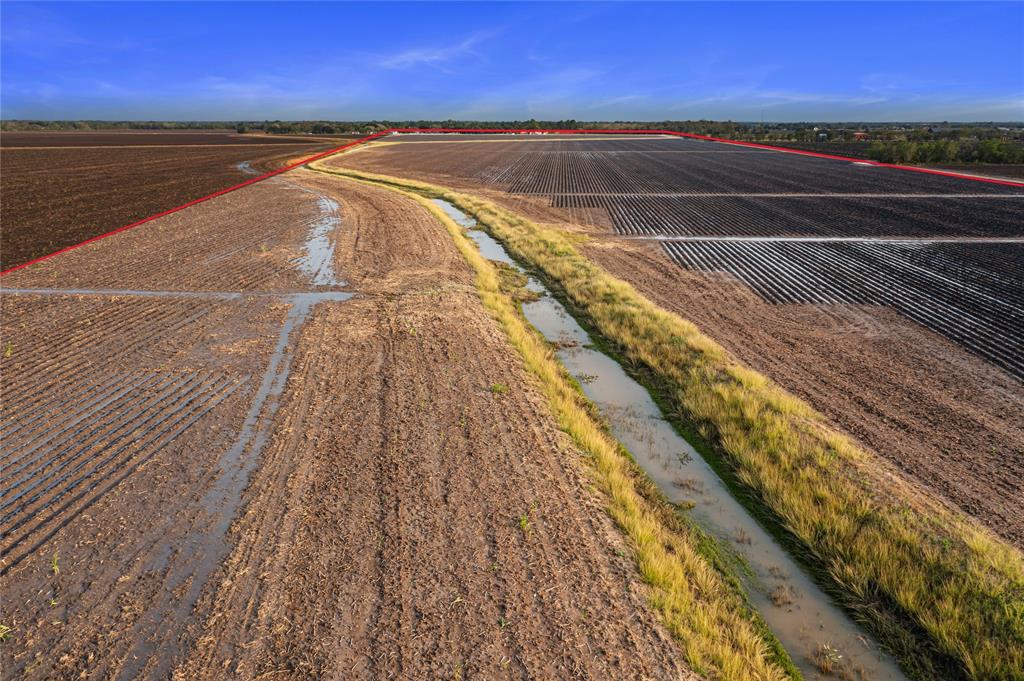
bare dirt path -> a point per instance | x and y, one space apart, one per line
225 471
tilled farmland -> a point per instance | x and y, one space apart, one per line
62 188
279 434
259 438
146 138
858 271
970 293
693 190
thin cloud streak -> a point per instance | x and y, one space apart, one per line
432 56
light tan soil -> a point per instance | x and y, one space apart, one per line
403 519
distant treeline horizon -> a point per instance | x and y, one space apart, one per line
892 142
319 126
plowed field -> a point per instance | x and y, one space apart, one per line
61 188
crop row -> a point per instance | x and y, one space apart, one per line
807 215
112 426
73 353
960 297
677 168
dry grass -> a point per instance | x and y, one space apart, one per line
698 606
944 593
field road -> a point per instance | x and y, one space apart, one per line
257 438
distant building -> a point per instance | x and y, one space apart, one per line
860 136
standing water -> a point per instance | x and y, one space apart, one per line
318 260
798 612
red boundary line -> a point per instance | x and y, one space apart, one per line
690 135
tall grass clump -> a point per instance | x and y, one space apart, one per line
943 593
718 633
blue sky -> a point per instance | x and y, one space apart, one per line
589 61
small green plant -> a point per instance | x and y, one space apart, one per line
55 564
499 388
524 524
502 623
264 249
8 349
5 632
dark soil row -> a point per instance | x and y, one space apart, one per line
945 287
688 166
806 216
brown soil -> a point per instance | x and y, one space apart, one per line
380 533
56 196
949 420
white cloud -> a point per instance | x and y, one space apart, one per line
432 56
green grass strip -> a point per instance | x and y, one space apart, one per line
943 593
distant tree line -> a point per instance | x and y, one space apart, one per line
989 142
947 151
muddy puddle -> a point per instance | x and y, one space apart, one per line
317 259
798 612
206 546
